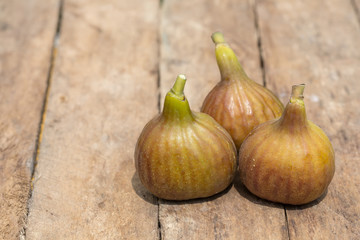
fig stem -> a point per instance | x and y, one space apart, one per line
297 92
218 37
176 106
227 61
178 88
294 115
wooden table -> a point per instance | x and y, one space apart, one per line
79 80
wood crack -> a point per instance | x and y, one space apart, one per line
159 222
259 43
356 10
161 3
263 71
287 222
158 89
54 48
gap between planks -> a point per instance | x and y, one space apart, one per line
54 49
287 223
263 71
356 9
161 4
259 43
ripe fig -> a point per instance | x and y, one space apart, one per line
182 154
288 160
238 103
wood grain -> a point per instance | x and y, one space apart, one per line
187 48
26 37
318 43
103 92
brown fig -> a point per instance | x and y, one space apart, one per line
238 103
288 160
182 154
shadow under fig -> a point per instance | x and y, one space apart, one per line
197 200
143 193
244 192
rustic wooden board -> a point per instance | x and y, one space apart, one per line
318 43
105 87
26 37
187 48
103 92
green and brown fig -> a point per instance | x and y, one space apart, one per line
288 160
182 154
238 103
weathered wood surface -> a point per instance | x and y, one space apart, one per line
114 59
189 49
102 93
26 35
318 43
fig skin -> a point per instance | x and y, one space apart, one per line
288 160
183 155
238 103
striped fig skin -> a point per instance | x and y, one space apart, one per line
288 160
239 106
186 159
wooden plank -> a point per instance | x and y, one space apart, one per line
317 43
187 48
104 91
26 37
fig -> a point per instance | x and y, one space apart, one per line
182 154
238 103
288 160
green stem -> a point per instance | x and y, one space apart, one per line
229 66
297 93
294 115
176 106
178 88
218 37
